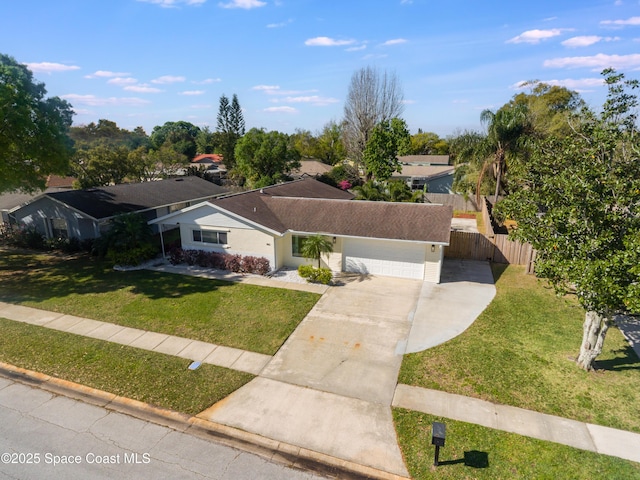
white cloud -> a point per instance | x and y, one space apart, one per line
192 92
536 36
395 41
635 21
107 74
586 40
245 4
281 110
168 79
280 25
579 84
93 101
596 62
50 67
327 42
313 99
121 81
356 49
270 89
142 89
173 3
276 90
408 102
207 81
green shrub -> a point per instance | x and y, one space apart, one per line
315 275
305 271
132 256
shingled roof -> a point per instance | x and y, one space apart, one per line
105 202
399 221
311 206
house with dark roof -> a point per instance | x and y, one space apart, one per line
393 239
85 214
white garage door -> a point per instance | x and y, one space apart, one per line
382 257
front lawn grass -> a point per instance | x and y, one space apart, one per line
150 377
520 352
248 317
475 452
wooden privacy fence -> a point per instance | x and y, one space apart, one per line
499 249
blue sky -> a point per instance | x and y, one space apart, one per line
146 62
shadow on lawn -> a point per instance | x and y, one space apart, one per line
34 277
626 359
473 458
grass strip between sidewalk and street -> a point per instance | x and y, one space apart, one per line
520 352
248 317
151 377
475 452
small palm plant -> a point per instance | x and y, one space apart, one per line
314 246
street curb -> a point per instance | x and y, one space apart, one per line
273 450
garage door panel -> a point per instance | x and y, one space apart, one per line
381 257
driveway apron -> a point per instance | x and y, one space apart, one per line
329 388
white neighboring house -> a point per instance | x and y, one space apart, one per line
404 240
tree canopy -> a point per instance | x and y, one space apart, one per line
578 203
34 139
180 136
265 158
388 140
373 97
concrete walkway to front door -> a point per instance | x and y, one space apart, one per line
329 389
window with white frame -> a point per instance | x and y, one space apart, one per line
210 236
297 243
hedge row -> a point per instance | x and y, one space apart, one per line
220 261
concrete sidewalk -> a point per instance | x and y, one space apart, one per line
195 350
595 438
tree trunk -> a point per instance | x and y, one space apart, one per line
594 331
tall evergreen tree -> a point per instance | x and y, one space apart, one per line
230 128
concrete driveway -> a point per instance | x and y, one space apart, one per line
447 309
329 388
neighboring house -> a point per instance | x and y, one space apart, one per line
208 161
392 239
436 178
311 168
424 159
85 214
10 202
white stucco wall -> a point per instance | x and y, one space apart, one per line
333 262
242 238
433 263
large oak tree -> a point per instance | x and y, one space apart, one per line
33 130
578 203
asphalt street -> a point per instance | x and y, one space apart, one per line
45 436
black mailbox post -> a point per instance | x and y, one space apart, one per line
438 434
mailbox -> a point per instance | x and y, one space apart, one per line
438 434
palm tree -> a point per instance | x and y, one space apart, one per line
370 190
507 131
399 191
314 246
